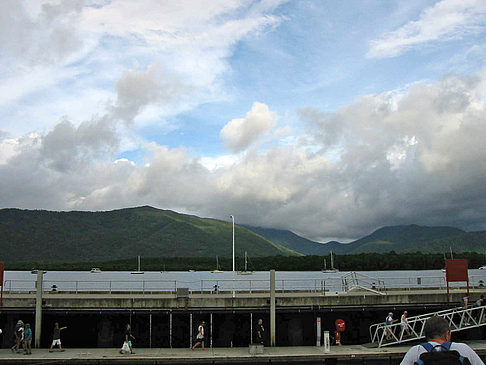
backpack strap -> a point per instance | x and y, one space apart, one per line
429 347
446 345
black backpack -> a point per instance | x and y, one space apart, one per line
441 355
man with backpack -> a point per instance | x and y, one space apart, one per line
438 349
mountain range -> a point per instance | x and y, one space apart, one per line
47 236
400 239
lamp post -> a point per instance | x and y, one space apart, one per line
233 220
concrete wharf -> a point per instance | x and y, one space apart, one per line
167 319
355 354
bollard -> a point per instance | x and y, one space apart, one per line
318 332
327 342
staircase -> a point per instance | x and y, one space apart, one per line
358 281
459 319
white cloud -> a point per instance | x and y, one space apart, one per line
9 148
75 51
39 33
445 20
420 158
139 89
240 133
412 156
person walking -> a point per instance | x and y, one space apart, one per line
404 324
19 336
27 340
200 336
56 337
480 303
127 345
259 332
388 322
439 347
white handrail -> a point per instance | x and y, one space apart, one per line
321 284
459 319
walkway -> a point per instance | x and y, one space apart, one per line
459 319
215 355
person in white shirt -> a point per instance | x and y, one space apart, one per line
200 336
388 322
404 324
437 333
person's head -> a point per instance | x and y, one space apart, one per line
405 313
260 321
390 314
128 325
437 327
27 325
56 325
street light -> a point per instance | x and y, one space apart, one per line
233 220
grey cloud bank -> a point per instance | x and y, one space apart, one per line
417 157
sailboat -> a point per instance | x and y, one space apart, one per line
138 271
217 270
245 272
332 268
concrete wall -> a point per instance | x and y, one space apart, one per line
240 301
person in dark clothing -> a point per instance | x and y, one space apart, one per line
19 336
56 337
259 332
128 338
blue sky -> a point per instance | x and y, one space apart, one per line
324 117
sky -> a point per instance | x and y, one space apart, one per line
328 118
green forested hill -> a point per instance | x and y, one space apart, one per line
46 236
37 235
400 239
291 240
408 238
464 242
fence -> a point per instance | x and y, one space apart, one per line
342 283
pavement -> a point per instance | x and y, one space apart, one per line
294 354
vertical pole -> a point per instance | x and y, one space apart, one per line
272 307
170 329
318 332
150 330
190 330
2 271
233 220
251 327
38 309
211 329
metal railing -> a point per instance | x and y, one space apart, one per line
334 283
359 281
459 319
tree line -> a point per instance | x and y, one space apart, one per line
361 262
